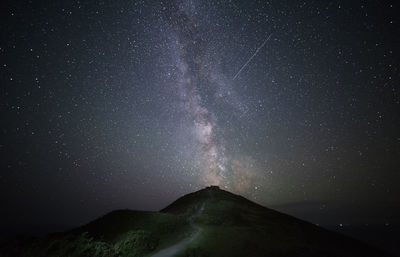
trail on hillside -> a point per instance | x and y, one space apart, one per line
174 249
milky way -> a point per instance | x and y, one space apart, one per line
191 75
198 71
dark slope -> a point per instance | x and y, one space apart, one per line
235 226
116 224
231 226
118 233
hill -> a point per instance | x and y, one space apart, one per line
226 225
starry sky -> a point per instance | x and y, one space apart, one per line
131 104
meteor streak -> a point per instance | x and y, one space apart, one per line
249 60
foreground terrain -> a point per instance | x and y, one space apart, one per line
209 222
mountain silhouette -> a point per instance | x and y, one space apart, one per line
209 222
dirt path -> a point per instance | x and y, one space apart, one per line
172 250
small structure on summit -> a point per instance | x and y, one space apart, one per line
213 187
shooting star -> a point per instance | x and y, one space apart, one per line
249 60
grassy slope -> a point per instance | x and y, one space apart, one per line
119 233
232 226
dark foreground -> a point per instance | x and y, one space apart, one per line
230 225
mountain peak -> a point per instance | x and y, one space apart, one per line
212 188
208 195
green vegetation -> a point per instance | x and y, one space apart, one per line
234 226
119 233
231 226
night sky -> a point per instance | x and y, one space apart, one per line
131 104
